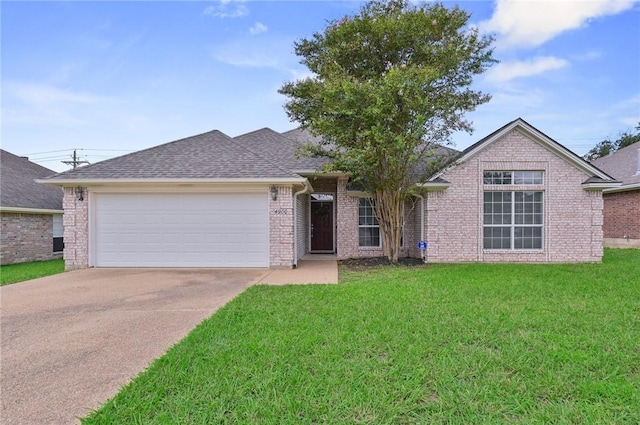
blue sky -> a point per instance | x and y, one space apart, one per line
114 77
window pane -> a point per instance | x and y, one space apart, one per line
369 236
369 231
497 238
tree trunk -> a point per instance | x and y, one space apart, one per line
389 207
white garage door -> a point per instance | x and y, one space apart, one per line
181 230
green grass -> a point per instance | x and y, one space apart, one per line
14 273
454 344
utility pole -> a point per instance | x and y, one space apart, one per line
75 162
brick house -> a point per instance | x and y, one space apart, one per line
215 201
30 213
622 204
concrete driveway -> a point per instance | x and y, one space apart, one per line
69 342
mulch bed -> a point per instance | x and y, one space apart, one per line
372 262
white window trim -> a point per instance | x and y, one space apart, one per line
513 224
370 247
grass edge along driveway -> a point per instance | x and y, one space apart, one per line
14 273
470 343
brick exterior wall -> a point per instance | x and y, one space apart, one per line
281 236
26 237
572 216
76 229
622 218
347 228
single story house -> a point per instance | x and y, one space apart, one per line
622 204
30 213
215 201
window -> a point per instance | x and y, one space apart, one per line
368 227
58 233
513 177
513 220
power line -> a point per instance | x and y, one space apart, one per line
76 161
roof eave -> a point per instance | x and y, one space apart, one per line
622 188
601 185
434 186
195 181
24 210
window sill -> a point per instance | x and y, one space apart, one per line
513 251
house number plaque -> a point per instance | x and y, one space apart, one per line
281 211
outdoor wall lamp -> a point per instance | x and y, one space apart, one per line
80 193
274 193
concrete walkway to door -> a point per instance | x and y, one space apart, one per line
69 342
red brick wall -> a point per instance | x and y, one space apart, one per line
622 215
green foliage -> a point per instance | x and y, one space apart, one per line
390 85
454 344
606 147
13 273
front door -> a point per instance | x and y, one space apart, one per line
322 225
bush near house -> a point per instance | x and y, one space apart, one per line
465 343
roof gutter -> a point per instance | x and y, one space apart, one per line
23 210
182 181
622 188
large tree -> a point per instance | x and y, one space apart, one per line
388 84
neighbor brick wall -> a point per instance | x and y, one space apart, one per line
26 237
281 229
572 216
76 229
622 215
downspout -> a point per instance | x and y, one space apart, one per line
305 189
423 253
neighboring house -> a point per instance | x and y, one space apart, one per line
622 204
31 213
215 201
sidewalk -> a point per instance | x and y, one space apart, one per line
307 272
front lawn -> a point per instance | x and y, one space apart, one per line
13 273
459 344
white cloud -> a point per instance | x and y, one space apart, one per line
263 52
42 94
227 9
41 104
532 23
506 71
258 28
589 55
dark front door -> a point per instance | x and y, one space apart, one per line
322 226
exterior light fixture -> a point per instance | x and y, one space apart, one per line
274 193
80 193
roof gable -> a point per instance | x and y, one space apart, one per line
208 156
538 137
18 188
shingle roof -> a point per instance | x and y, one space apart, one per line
281 149
18 188
624 164
212 155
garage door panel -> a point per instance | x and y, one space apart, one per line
181 230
